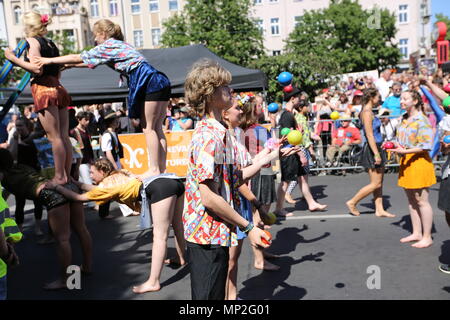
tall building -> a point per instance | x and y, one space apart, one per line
277 19
140 20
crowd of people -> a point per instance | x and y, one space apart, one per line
230 184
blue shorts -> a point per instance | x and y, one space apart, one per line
247 214
143 81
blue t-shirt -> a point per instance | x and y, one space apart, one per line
176 126
393 104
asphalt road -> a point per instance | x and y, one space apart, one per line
330 255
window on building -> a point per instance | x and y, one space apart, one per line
403 46
156 36
94 8
403 13
276 52
135 6
138 36
260 25
273 1
297 20
173 5
275 26
255 2
113 8
17 14
153 5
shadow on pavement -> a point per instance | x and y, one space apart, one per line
405 224
264 285
121 260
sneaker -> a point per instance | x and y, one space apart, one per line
445 268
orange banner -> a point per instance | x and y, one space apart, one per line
136 158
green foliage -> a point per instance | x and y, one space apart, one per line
310 73
223 26
64 42
15 74
442 17
349 35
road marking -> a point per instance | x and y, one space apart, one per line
331 216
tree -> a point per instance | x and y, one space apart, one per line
16 72
64 41
310 73
440 17
357 39
223 26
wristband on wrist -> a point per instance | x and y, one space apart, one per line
248 228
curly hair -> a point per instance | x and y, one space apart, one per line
34 26
204 78
105 166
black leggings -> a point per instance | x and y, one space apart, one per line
20 206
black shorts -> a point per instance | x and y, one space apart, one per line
291 168
161 95
52 199
163 188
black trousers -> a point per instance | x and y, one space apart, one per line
209 269
20 206
103 210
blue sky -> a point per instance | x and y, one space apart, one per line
440 6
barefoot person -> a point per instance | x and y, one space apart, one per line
26 182
149 88
373 157
50 98
294 167
164 194
232 119
416 175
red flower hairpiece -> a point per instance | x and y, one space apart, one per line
44 18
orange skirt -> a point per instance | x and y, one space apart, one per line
48 91
416 171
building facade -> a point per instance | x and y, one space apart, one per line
277 19
140 20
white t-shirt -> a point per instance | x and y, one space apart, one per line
383 87
107 145
444 125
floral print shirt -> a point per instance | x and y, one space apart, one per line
117 54
416 133
212 156
302 122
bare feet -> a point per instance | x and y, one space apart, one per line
56 285
352 208
318 207
266 266
135 213
288 199
385 214
147 287
283 213
424 243
411 238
